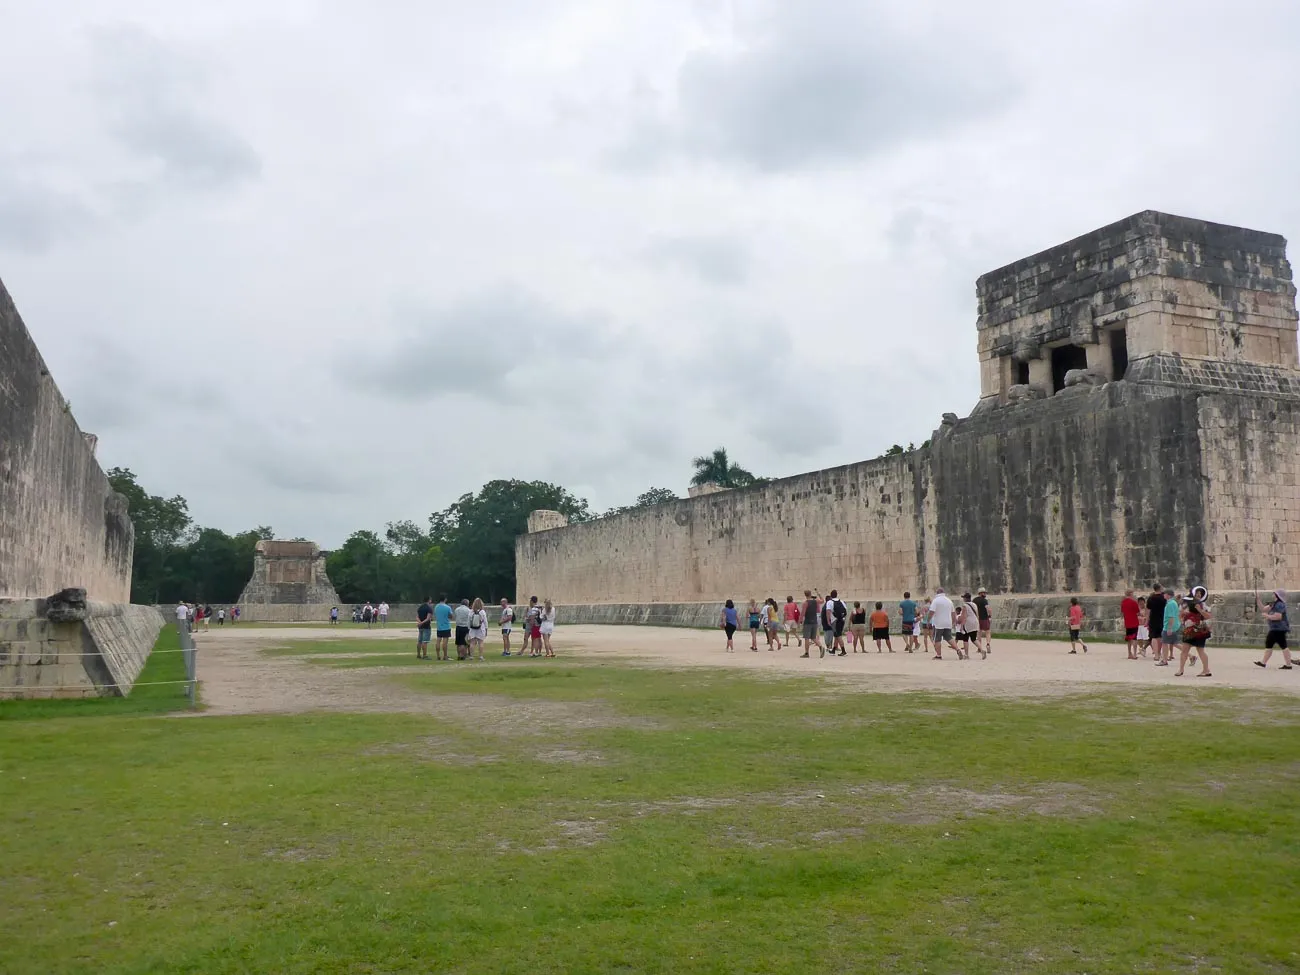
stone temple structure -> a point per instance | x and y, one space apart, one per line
67 628
289 582
1139 422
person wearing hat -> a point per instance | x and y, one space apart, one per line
1278 627
1196 631
984 642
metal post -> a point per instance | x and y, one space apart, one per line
190 654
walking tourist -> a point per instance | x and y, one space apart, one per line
755 619
941 614
334 616
546 626
442 617
1278 628
927 621
1144 626
985 621
478 627
507 624
810 627
367 613
221 617
1196 632
235 614
1171 633
836 615
461 615
533 627
1156 621
880 627
971 619
792 618
907 616
383 614
1128 608
1076 615
423 621
182 617
729 623
858 627
772 624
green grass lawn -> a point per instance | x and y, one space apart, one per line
600 818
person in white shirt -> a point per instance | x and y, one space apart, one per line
941 615
507 624
182 616
383 614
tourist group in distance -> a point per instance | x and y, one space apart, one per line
826 624
1155 623
468 623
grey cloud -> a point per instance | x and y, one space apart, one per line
155 107
501 335
821 81
33 216
715 259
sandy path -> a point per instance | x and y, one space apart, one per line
238 679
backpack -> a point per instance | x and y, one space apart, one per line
476 621
841 610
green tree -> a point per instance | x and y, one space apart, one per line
477 533
654 496
361 569
717 468
160 525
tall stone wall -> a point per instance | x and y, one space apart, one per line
1166 454
61 524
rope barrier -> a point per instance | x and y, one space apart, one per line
60 687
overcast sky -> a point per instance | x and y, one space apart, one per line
322 265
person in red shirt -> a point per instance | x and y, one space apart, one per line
1131 612
792 617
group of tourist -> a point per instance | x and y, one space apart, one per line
824 624
1156 623
190 616
369 614
468 622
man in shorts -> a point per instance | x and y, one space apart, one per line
984 642
1278 628
809 614
1155 621
941 613
461 615
839 617
383 614
1172 628
442 617
1131 611
907 613
507 624
791 617
423 621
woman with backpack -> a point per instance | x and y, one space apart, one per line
478 627
1196 631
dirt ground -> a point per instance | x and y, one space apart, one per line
238 679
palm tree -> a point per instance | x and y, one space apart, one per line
718 469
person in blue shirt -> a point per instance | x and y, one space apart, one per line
729 623
907 611
442 620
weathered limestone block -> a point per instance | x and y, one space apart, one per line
1082 377
1022 392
